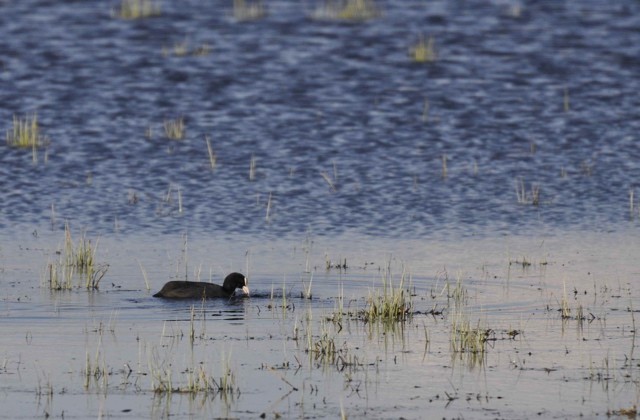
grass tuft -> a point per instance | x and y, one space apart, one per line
347 10
76 261
526 198
137 9
389 306
243 10
423 51
25 133
174 129
181 49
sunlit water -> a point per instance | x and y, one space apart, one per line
348 137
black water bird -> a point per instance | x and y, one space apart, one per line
199 290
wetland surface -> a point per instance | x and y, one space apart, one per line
496 187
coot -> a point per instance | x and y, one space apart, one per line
199 290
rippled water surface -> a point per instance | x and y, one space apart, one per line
305 97
508 165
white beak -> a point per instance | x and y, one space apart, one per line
245 289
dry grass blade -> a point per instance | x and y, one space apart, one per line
279 376
329 181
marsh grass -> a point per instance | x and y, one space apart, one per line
444 167
174 129
390 305
425 112
248 10
199 379
76 260
307 288
26 134
347 10
329 181
468 340
526 198
182 49
325 350
424 51
137 9
212 156
144 274
96 371
252 168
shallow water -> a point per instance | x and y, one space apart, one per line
306 98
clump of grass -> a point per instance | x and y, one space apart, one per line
25 133
202 51
467 338
137 9
243 10
349 10
76 260
424 51
174 129
525 197
390 305
325 349
181 49
199 380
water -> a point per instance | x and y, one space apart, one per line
537 95
302 96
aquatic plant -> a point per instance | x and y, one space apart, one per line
525 197
25 133
423 51
202 51
74 260
468 341
212 156
243 10
329 181
390 305
252 168
349 10
198 380
444 167
137 9
174 129
181 49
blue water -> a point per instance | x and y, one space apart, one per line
306 97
